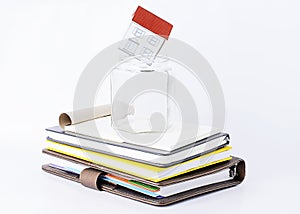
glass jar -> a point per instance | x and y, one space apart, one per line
139 95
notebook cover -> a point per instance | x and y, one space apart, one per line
145 149
90 178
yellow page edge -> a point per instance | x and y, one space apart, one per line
137 175
142 165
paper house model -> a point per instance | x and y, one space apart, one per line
145 36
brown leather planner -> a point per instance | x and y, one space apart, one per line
90 177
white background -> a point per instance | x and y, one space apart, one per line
253 47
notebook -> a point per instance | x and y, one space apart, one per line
139 153
91 177
142 170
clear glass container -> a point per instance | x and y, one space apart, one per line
139 95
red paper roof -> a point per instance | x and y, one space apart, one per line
152 22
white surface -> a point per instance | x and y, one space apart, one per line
253 47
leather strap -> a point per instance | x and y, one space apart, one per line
90 178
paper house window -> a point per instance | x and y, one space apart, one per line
147 53
145 36
153 41
131 46
137 32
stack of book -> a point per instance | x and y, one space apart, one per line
161 173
